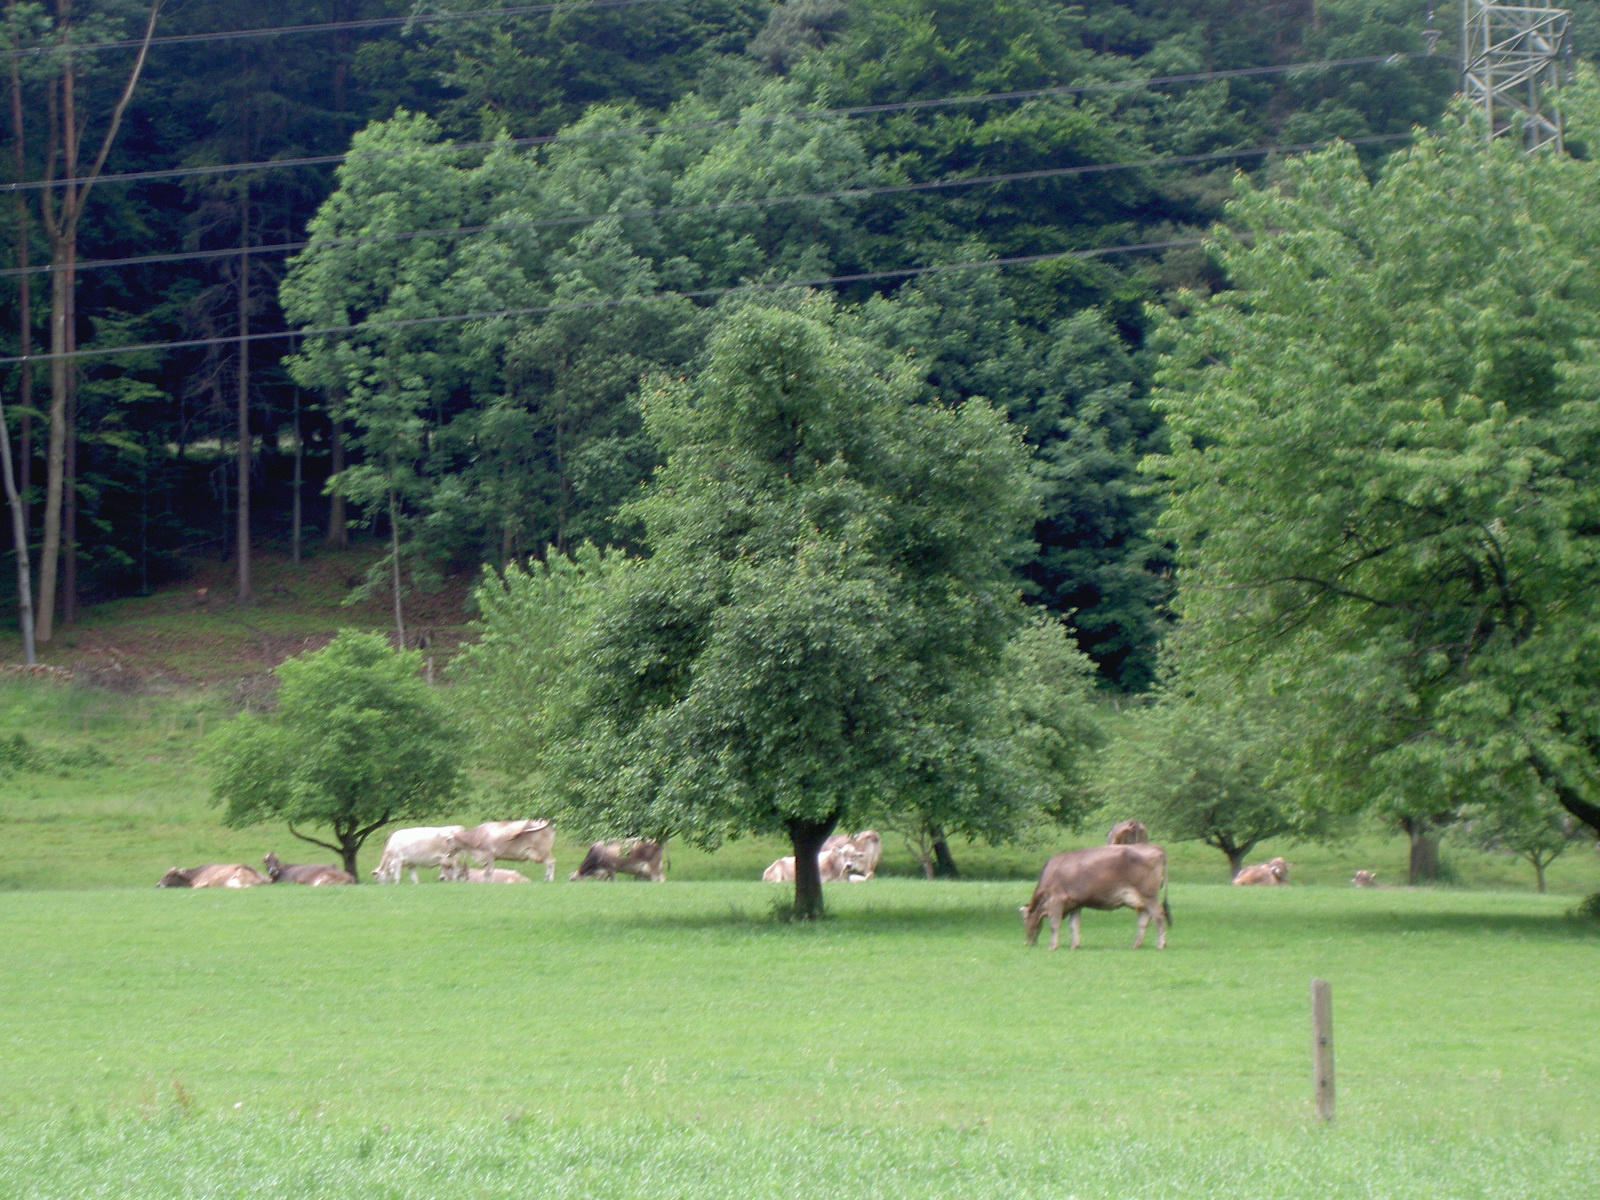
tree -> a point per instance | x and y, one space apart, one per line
816 634
358 741
1201 769
1537 830
1385 470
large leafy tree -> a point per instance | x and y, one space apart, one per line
358 740
1385 471
817 633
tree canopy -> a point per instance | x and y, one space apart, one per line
1383 470
358 741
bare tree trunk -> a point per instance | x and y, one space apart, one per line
1538 873
338 521
944 864
24 296
242 432
1424 862
1235 862
69 499
299 484
394 555
60 216
19 539
806 838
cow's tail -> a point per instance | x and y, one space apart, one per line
1166 911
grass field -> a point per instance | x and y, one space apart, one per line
675 1040
612 1040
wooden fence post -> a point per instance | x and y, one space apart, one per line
1322 1047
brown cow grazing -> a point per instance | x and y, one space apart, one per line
224 875
518 841
1365 879
312 875
1271 873
1127 833
640 858
1103 877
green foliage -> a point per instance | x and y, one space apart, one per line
1538 830
817 634
1383 475
1205 768
358 740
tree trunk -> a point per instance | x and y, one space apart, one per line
1538 874
944 866
806 838
69 497
1235 862
55 453
1424 865
394 556
348 849
24 302
242 432
338 522
19 539
299 484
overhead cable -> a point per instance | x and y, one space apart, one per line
852 193
859 110
613 302
268 31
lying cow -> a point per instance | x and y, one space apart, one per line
224 875
1365 879
518 841
420 846
868 847
1104 877
465 874
312 875
640 858
1271 873
839 860
1127 833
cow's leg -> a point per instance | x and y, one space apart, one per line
550 869
1077 915
1052 910
414 878
1161 927
1144 922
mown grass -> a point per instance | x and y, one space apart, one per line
606 1040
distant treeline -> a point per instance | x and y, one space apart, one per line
487 441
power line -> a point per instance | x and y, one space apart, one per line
860 110
616 302
266 31
709 206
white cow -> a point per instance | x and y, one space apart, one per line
834 863
524 841
420 846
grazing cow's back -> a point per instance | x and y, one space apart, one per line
1103 877
223 875
528 840
640 858
1127 833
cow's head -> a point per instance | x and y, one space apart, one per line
1364 879
174 877
1280 869
1032 918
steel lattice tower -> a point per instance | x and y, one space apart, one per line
1511 66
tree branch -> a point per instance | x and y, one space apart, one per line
361 835
122 105
1565 795
314 841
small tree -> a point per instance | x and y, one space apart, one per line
817 635
1200 769
358 741
1539 831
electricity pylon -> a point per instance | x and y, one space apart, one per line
1511 66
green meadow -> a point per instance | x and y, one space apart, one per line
677 1040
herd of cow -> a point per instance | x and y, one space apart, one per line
1127 872
449 848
